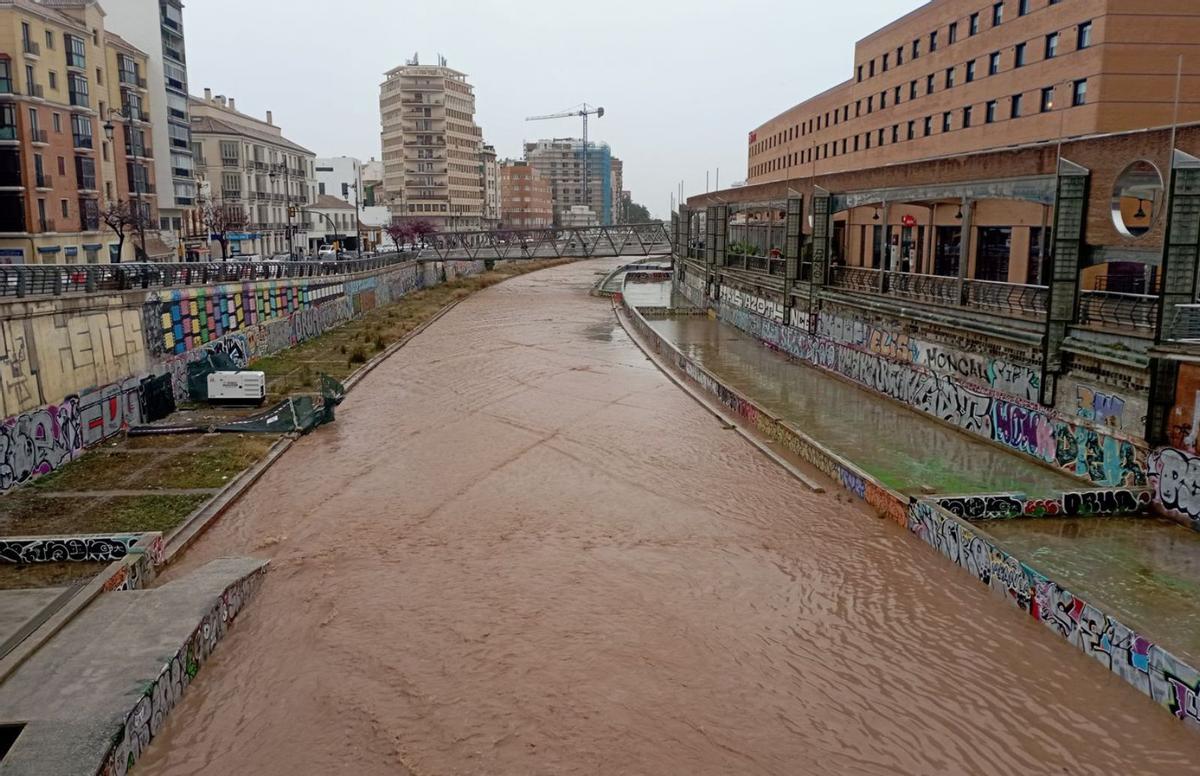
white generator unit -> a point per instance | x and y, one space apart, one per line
237 388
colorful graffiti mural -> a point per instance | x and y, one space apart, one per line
1109 502
1176 478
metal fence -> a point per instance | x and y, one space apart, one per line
1112 310
30 280
1012 299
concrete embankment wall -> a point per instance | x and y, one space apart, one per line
72 367
978 389
1134 657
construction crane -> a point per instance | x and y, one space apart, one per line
583 112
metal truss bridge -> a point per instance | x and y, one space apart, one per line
575 242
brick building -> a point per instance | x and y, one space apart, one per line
525 199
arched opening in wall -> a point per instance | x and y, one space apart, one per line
1137 198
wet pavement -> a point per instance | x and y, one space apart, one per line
522 550
900 448
1146 571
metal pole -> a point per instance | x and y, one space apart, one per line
587 197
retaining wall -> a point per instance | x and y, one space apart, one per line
1134 657
72 369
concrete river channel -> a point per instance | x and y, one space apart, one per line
523 549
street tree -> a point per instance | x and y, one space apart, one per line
220 219
124 218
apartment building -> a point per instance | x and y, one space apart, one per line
561 162
961 76
431 146
156 27
490 168
67 149
525 200
251 168
334 222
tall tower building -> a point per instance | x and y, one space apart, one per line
156 27
431 146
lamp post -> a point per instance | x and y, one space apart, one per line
287 197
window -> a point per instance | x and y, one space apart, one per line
974 24
971 71
860 73
62 165
1019 55
882 100
900 56
933 41
998 14
952 33
993 252
895 133
896 93
912 130
946 121
76 56
885 63
949 78
929 84
1047 99
77 85
881 136
870 104
66 211
916 49
1079 94
1083 38
1015 112
994 63
967 117
6 84
53 78
1051 45
856 142
1022 7
928 126
990 112
871 69
49 40
34 124
81 129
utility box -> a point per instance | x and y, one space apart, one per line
237 388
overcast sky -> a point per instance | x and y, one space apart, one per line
681 82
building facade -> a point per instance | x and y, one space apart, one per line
618 187
525 200
156 27
490 168
431 147
334 223
960 76
560 162
251 169
63 81
338 176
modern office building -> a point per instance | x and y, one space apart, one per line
525 197
560 161
960 76
156 27
66 151
431 146
251 168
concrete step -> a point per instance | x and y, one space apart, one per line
100 689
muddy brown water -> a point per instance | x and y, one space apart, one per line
522 550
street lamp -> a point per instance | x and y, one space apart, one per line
287 187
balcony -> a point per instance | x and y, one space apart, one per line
1113 310
83 142
87 183
230 162
80 100
38 137
34 90
46 225
141 187
76 61
31 48
43 181
6 86
231 193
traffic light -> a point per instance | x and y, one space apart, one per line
291 211
345 190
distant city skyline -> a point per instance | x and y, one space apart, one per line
533 59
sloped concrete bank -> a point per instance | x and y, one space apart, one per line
1167 680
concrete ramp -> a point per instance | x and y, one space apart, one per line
95 695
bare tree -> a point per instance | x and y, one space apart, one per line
399 232
119 217
221 219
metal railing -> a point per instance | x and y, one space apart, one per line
855 278
29 280
1010 299
1112 310
934 289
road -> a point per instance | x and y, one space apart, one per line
522 550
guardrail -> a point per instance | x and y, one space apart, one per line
1012 299
56 280
1110 309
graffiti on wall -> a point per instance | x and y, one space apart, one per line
1108 502
756 304
1176 478
1019 380
146 719
73 549
1082 450
1106 409
1136 659
36 443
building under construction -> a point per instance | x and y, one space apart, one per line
561 161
